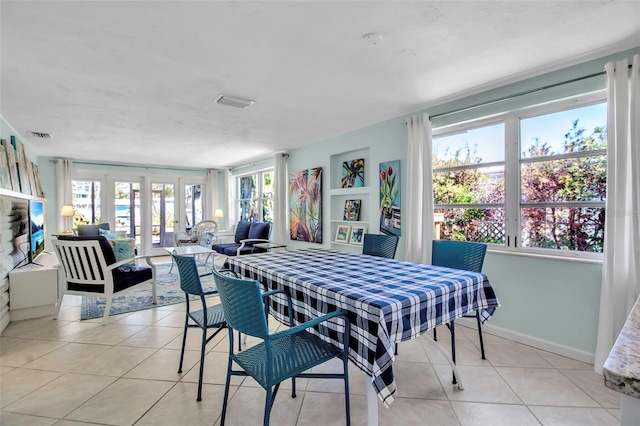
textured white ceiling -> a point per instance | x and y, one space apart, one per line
134 82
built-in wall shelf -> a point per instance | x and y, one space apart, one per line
365 190
14 194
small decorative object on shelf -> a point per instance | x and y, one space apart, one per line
352 210
357 234
352 174
342 233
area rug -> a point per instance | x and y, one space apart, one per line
168 293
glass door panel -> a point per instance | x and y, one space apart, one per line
86 202
127 209
162 214
192 205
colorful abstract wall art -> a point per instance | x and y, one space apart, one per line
390 197
305 205
352 174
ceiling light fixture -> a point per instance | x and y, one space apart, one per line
234 102
371 39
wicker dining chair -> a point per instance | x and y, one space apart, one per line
281 355
205 318
380 245
464 255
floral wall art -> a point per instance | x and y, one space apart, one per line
305 205
390 197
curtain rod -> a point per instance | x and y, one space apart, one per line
516 95
97 163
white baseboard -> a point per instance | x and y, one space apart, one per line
535 342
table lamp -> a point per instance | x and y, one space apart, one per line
67 212
218 214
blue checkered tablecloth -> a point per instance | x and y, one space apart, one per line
386 300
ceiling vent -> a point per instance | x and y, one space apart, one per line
234 102
41 135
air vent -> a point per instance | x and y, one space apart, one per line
41 135
234 102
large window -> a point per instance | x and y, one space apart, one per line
534 179
255 199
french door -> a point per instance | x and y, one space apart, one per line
163 214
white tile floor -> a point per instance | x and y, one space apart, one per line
70 372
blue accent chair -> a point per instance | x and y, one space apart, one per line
282 355
247 234
205 318
463 255
380 245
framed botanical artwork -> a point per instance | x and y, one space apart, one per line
352 210
352 174
357 234
305 205
390 198
342 233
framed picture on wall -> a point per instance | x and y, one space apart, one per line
357 234
342 234
352 210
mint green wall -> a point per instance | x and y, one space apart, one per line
549 299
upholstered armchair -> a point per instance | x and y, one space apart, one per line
193 236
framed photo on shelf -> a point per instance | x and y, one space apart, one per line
342 234
357 234
352 210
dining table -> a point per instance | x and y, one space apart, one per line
386 301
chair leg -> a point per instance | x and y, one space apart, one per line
107 309
435 335
480 334
226 393
345 364
267 407
204 344
293 387
184 342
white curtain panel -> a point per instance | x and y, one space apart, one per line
64 188
418 231
213 197
280 231
621 268
231 202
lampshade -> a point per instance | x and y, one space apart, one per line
67 211
218 214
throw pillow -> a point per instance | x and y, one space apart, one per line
123 248
113 235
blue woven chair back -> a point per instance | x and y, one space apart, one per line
189 276
458 254
380 245
242 304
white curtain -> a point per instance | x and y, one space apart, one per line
418 219
64 188
280 232
621 267
213 197
231 202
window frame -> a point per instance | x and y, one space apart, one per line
512 167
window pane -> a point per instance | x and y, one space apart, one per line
127 205
580 229
571 179
267 185
267 210
193 204
249 211
473 146
574 130
480 225
471 186
248 187
86 202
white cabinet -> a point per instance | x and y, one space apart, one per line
33 289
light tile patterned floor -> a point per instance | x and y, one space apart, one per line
70 372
